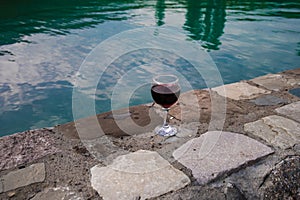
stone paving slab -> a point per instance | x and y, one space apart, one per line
273 82
103 149
291 110
276 130
239 91
202 106
292 77
165 146
139 175
269 100
215 153
295 92
33 174
188 108
59 193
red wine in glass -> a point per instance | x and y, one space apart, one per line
165 95
165 91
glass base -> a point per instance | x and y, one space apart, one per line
166 131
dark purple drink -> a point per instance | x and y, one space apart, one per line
165 95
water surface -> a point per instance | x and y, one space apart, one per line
43 43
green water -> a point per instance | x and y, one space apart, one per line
43 43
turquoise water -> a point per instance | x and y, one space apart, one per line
43 43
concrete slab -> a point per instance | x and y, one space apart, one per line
215 153
22 177
276 130
291 110
239 91
139 175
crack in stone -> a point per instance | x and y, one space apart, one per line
279 131
274 168
174 117
273 131
265 178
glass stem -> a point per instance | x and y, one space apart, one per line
166 125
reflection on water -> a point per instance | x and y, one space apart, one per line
160 12
206 22
43 43
57 17
43 109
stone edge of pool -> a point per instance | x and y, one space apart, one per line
254 154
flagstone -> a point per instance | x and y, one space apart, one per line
58 193
239 91
22 177
273 82
139 175
269 100
291 110
216 153
276 130
295 92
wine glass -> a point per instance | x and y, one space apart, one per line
165 91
